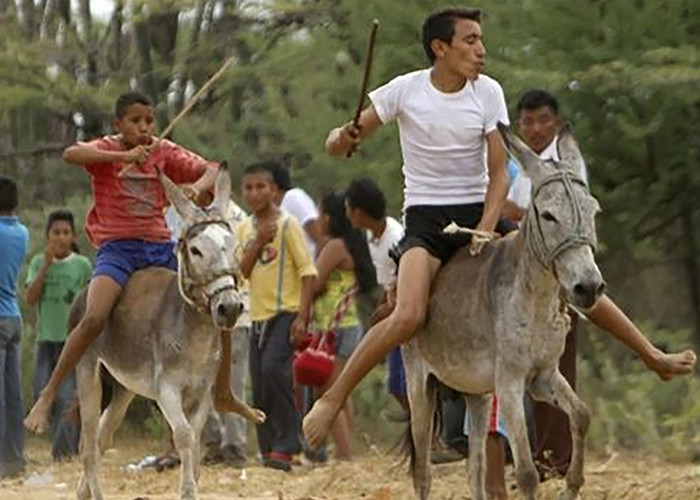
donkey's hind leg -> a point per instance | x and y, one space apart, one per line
90 397
479 410
113 416
421 389
552 387
170 403
510 390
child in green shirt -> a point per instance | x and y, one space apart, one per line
55 278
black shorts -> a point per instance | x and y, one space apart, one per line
424 225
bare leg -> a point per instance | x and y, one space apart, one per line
341 430
609 317
495 467
416 272
224 399
102 295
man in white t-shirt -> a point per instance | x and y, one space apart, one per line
454 169
365 207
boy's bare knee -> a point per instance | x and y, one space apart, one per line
92 324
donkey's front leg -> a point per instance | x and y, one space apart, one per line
552 387
198 417
510 390
478 409
89 396
170 403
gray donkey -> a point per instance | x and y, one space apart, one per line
162 340
497 322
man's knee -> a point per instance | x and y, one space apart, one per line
407 321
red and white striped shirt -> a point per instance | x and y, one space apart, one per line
131 207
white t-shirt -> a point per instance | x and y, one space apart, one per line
442 135
300 205
379 251
520 191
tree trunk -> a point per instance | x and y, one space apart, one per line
116 56
29 19
184 73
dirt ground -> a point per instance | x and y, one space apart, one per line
374 476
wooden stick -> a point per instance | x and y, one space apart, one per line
190 104
365 77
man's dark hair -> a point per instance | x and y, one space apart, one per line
8 195
364 194
441 25
281 176
259 168
129 99
535 99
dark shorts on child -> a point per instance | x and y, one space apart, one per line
121 258
424 225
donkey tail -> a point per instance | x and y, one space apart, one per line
406 444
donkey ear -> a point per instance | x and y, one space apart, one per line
569 152
184 207
222 189
531 163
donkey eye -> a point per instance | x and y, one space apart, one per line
195 251
548 216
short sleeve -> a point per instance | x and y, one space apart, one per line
300 205
181 165
34 266
387 98
296 243
495 109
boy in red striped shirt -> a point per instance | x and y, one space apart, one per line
126 224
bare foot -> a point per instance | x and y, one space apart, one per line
38 417
318 421
230 403
256 416
668 366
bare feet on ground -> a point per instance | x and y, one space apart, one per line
38 417
318 421
669 366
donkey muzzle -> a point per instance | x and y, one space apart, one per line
586 293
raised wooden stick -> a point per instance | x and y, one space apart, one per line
365 77
190 104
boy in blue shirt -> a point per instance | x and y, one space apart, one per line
14 238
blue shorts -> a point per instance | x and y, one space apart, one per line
121 258
397 376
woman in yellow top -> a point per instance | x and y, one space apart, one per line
343 266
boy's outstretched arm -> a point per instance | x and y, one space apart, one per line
83 153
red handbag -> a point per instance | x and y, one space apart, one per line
314 363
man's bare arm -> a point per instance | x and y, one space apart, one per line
347 138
